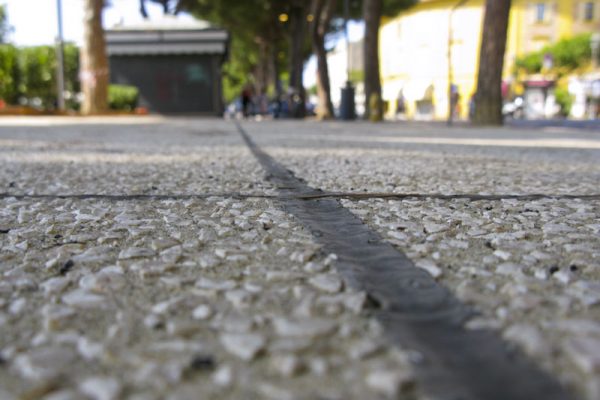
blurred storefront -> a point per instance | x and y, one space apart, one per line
175 65
539 99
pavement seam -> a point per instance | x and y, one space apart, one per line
417 313
313 196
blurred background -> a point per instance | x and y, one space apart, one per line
377 59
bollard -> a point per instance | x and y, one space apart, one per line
374 108
347 107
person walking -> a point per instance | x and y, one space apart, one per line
246 100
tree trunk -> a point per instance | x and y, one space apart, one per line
322 11
274 70
94 64
297 36
372 11
262 68
488 98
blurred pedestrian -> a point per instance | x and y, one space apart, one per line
246 100
455 102
472 103
400 105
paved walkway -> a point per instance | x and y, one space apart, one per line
148 258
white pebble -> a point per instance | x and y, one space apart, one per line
101 388
245 346
390 383
327 283
202 312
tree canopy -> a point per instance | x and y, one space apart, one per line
258 31
567 55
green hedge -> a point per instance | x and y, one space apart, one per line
564 100
38 74
9 73
28 75
122 97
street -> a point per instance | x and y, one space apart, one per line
181 258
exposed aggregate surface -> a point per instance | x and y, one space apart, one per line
227 297
530 269
216 297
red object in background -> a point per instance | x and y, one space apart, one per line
505 89
2 104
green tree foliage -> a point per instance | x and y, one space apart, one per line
568 55
392 7
530 63
564 99
237 69
9 73
28 74
260 42
71 61
258 38
5 28
37 79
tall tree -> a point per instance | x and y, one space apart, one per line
488 98
94 63
322 12
373 10
297 35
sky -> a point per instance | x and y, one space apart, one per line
35 21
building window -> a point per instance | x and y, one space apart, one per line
540 12
588 11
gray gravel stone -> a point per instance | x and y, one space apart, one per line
305 327
101 388
85 275
244 345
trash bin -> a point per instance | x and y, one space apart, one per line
347 108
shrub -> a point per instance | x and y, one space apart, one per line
122 97
568 55
530 63
572 53
564 100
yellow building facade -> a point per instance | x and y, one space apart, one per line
437 42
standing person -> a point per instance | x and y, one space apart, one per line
455 102
246 99
472 101
400 105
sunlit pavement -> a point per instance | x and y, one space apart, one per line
591 124
150 257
